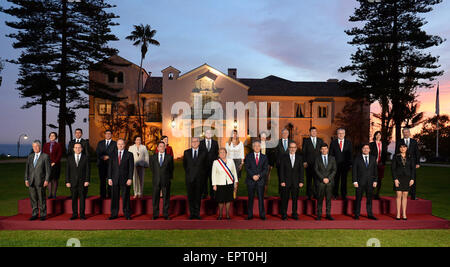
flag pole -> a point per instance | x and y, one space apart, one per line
437 121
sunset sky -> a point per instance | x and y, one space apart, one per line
296 40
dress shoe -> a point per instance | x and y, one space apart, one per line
398 218
404 218
43 218
156 217
262 218
112 218
219 218
33 218
318 218
191 217
414 198
198 217
83 217
228 218
356 217
371 217
249 218
74 217
128 218
284 218
295 217
330 218
167 218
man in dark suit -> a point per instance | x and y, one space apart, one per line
161 165
77 179
211 147
341 149
194 163
281 150
105 150
79 139
120 178
257 166
311 150
364 180
413 151
37 177
325 167
291 178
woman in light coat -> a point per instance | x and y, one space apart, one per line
141 161
235 152
224 181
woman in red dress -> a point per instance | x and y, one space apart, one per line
54 150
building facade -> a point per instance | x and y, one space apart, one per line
301 104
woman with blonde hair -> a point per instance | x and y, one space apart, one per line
235 152
224 181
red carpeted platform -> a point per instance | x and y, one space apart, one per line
97 210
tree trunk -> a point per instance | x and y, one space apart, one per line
44 121
138 97
63 88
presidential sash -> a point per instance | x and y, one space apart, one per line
227 170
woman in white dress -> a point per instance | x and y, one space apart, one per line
141 161
235 152
224 181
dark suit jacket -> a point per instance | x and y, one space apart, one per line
77 175
413 149
397 168
102 150
123 172
345 157
164 173
270 153
384 151
362 174
291 175
309 152
194 169
279 151
37 175
56 154
252 169
84 144
213 153
328 172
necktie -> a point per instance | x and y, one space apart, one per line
407 142
285 144
208 144
195 154
35 160
366 161
51 147
340 144
314 142
325 161
257 159
160 159
78 159
107 143
120 156
78 140
379 152
292 160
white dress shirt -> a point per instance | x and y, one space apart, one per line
235 152
292 159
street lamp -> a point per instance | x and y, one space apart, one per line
25 137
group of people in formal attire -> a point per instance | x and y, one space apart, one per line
216 171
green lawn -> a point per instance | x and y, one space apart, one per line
433 184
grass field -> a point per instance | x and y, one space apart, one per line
433 184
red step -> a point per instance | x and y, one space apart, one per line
179 206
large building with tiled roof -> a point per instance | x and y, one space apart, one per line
301 104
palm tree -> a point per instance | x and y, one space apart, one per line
142 36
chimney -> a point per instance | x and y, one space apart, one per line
332 80
232 73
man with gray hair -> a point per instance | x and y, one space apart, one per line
37 176
195 167
341 149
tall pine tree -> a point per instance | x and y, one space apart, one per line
392 61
